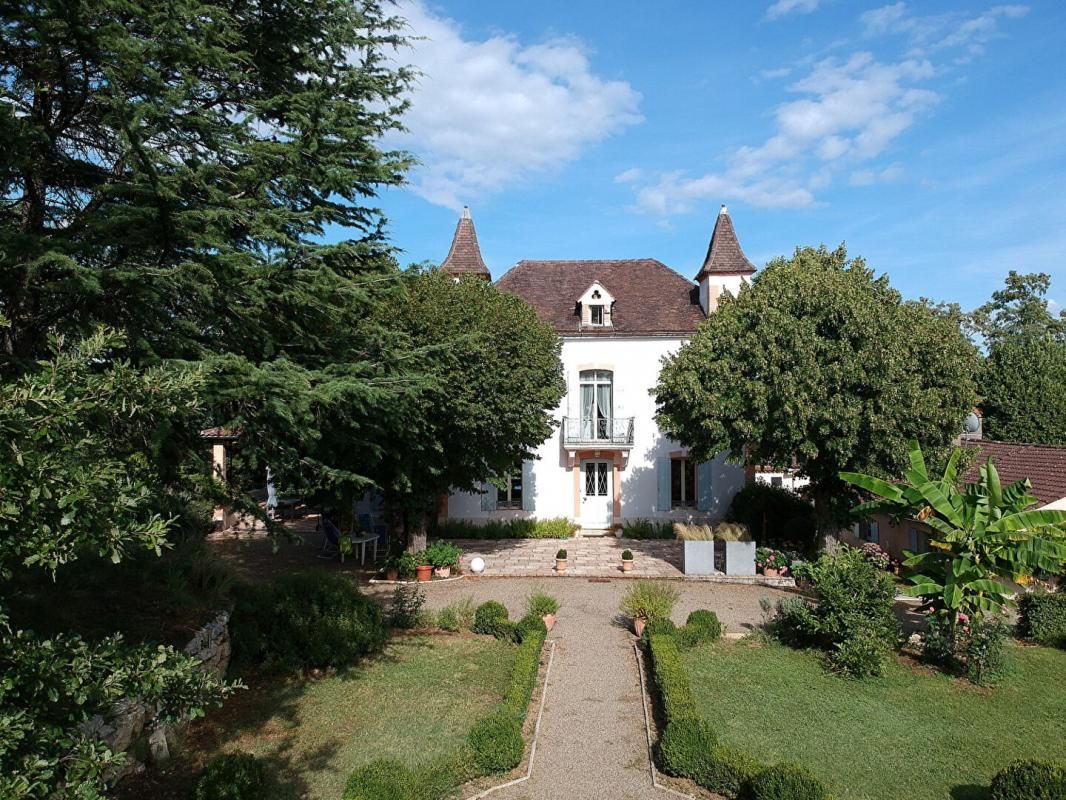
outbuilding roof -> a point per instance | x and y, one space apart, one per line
1043 465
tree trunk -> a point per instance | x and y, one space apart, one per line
416 531
827 528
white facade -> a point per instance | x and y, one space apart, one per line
638 483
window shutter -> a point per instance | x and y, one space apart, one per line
705 486
527 486
875 534
856 531
488 497
662 470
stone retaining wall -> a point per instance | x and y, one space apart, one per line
133 726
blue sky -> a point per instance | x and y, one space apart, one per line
930 137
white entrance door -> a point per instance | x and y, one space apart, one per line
597 500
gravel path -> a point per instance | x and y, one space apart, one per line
592 742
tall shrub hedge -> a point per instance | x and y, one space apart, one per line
1042 618
304 622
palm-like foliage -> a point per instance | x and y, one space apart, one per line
985 532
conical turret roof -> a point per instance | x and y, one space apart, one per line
464 257
724 256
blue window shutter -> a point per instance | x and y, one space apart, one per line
488 497
705 486
662 470
875 533
527 486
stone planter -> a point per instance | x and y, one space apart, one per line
442 572
560 565
638 626
549 621
739 558
423 572
627 565
698 558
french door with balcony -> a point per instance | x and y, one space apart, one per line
597 404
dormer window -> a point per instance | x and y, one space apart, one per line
595 307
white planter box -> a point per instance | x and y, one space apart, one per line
739 558
699 558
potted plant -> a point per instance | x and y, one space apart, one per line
442 556
391 567
560 561
770 561
424 570
648 600
406 565
698 552
544 606
627 561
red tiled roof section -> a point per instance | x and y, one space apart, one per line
650 298
724 255
1043 465
464 256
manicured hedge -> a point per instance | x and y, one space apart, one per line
526 664
315 620
701 626
1042 618
688 747
1030 780
490 619
496 743
554 528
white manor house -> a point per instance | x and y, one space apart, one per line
607 461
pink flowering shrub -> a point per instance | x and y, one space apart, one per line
876 555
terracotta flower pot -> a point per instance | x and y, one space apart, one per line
443 572
560 565
549 621
627 565
638 626
423 572
392 574
771 573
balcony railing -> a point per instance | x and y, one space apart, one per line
599 433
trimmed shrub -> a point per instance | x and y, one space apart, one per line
785 782
1030 780
860 655
384 779
671 679
515 702
234 776
685 748
775 517
701 626
490 619
728 770
496 743
658 627
1042 618
647 529
302 622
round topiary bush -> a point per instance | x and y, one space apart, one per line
490 619
527 625
1030 780
785 782
385 779
657 627
685 748
234 776
496 744
701 626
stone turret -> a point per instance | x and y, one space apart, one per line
464 257
726 268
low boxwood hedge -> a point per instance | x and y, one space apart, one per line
496 743
553 528
1030 780
784 782
700 627
490 619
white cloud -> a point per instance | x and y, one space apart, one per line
849 113
785 7
868 177
631 175
940 31
487 113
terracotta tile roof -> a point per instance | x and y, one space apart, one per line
724 255
650 298
219 433
464 256
1043 465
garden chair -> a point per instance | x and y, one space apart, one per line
331 539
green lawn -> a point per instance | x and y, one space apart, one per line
418 700
911 734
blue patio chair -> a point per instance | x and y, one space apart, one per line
331 539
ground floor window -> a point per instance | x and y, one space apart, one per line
511 495
870 532
682 483
918 541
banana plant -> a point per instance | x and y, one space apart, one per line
984 533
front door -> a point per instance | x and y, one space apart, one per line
597 500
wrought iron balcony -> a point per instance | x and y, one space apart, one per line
602 434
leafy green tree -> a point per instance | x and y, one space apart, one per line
170 170
1021 379
985 533
820 361
494 380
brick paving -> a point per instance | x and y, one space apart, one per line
592 556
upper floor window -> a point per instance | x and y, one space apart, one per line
596 315
682 483
511 495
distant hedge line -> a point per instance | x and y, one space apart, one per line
554 528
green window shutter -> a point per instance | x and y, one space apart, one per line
705 486
527 486
662 471
488 497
